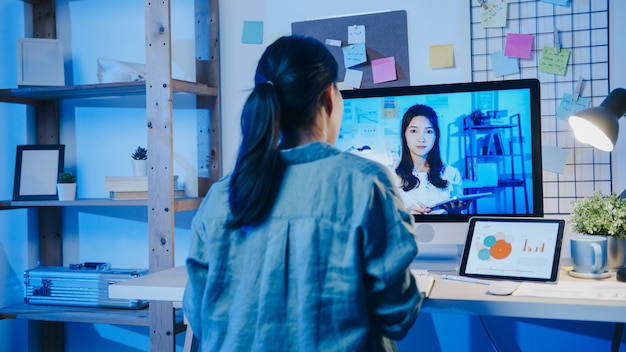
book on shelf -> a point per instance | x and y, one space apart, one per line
133 195
128 183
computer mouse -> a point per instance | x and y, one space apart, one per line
502 288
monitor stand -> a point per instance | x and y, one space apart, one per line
439 258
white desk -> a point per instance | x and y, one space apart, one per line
469 298
446 296
166 285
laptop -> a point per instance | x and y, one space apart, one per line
521 249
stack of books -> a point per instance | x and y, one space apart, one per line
133 187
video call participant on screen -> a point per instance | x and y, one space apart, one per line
302 247
422 176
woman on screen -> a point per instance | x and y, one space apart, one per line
422 175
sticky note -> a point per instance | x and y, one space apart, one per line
553 62
384 70
518 45
252 32
356 34
495 15
568 106
343 86
441 56
503 65
353 78
333 42
354 54
554 159
557 2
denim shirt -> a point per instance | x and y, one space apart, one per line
327 271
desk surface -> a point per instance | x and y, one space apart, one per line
447 296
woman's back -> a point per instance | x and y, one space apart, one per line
315 275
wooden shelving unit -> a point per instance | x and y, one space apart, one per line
163 320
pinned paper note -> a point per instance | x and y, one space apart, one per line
343 86
441 56
553 62
354 54
569 106
503 65
333 42
356 34
495 15
353 78
252 32
554 159
557 2
518 45
384 70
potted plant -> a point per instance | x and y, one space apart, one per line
603 215
140 161
66 186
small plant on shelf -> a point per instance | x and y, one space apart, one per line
66 177
140 153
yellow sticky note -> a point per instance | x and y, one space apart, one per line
441 56
553 62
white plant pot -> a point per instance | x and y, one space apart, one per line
140 167
66 191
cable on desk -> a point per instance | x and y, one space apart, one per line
513 347
617 337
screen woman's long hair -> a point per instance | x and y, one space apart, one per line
290 80
435 165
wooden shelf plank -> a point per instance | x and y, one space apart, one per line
33 95
136 317
180 204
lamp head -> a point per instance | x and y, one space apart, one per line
598 126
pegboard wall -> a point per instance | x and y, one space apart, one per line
583 28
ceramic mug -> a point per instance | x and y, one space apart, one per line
589 254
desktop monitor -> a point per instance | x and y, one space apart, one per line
490 132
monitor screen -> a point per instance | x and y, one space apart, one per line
483 143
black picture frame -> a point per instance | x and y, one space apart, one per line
36 170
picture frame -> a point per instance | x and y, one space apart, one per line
40 62
36 170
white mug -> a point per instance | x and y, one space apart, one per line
589 254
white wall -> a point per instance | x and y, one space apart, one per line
239 60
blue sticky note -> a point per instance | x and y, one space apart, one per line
252 32
554 159
557 2
568 106
354 54
503 65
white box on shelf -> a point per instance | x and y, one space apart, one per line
40 62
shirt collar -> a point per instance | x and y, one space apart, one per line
308 153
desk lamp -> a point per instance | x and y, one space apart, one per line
598 126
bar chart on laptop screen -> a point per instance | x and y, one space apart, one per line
581 27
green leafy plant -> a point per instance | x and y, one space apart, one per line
600 214
140 154
66 177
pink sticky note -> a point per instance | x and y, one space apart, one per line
518 45
384 70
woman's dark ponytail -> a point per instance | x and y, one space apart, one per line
290 79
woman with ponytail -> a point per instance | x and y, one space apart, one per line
302 247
